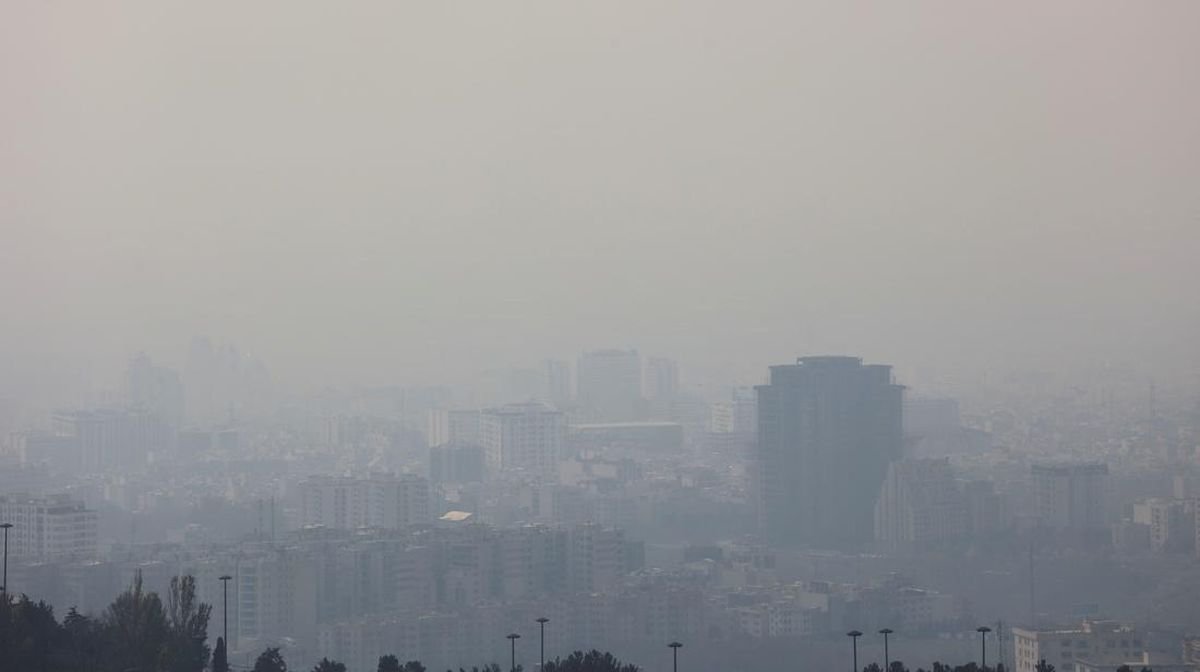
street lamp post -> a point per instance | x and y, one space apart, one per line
887 662
224 579
542 621
4 585
513 639
854 635
983 630
675 646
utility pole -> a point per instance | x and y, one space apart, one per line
224 579
4 586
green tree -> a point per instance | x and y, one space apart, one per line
389 663
897 666
220 657
270 661
327 665
188 622
414 666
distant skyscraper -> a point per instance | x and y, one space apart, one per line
527 436
610 385
156 389
558 382
827 429
1071 497
662 378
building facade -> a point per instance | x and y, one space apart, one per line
528 437
827 429
49 528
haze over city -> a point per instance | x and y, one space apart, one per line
394 191
718 334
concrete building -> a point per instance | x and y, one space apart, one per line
1096 642
827 429
919 505
1172 523
113 438
347 503
453 426
49 529
1071 497
528 436
609 385
661 379
457 462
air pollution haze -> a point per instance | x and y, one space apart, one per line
382 191
599 336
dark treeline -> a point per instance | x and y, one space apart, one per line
140 632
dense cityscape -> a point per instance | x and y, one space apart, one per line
595 336
627 510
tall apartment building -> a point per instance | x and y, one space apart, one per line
528 436
350 503
453 426
1071 497
919 505
1104 642
49 528
609 385
827 429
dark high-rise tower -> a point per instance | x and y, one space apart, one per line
827 429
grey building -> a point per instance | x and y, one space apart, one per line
827 429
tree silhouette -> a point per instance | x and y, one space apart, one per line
188 623
220 657
270 660
592 661
327 665
1043 666
389 663
138 628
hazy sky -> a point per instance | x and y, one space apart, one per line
415 191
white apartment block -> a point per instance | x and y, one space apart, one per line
49 528
528 437
348 503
